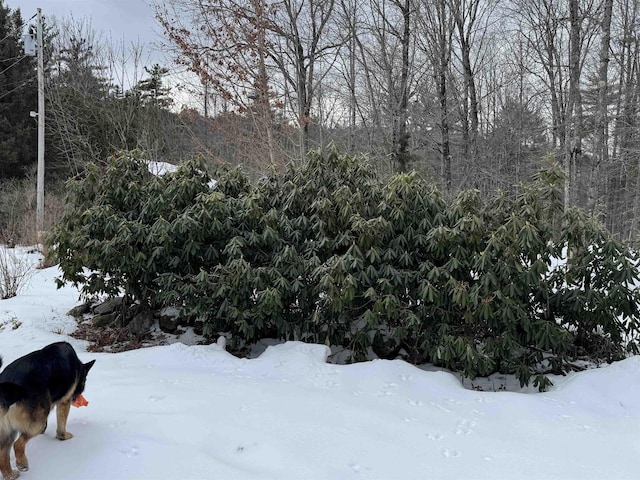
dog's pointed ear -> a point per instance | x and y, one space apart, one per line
10 393
87 366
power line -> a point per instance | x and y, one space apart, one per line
13 64
8 35
10 58
19 81
14 89
11 33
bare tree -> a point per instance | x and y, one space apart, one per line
400 138
306 46
437 28
258 55
465 16
349 11
573 143
601 123
97 103
477 90
76 79
387 55
225 43
623 199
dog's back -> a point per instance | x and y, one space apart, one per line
55 369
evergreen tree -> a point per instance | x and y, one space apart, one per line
78 68
152 90
18 96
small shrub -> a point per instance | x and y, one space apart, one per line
15 273
18 210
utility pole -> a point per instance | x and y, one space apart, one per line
40 175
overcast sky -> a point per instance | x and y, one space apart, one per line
114 21
128 19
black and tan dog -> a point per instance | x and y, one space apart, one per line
29 388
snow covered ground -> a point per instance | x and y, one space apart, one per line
197 412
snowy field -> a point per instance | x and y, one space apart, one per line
197 412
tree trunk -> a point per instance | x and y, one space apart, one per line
465 17
262 80
443 49
601 140
400 114
574 144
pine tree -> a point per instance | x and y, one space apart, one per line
78 68
152 90
18 96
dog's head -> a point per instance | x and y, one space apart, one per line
83 378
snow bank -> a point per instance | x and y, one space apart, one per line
197 412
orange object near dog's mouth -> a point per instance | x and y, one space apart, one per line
80 401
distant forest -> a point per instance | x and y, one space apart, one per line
469 93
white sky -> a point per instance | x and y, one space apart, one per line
128 19
118 22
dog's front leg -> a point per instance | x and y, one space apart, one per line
5 462
62 413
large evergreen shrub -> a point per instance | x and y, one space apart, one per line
292 228
325 252
124 227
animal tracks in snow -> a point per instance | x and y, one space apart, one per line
450 453
440 407
484 399
130 452
359 469
465 427
389 389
